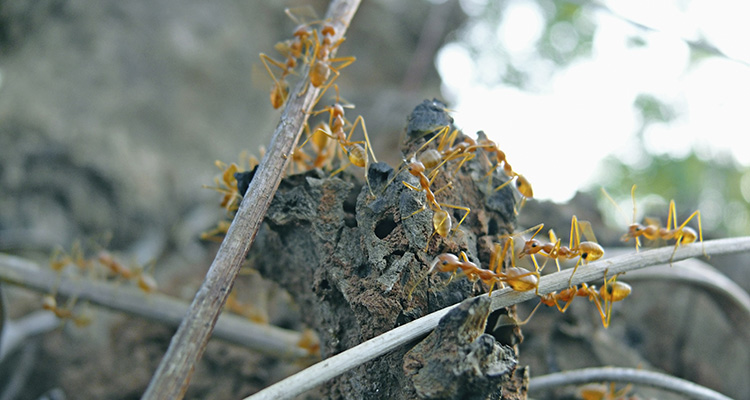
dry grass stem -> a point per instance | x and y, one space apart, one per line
658 380
168 310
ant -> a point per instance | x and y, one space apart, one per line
145 281
280 88
293 50
585 251
60 259
446 150
604 392
247 310
612 291
322 146
321 64
682 234
517 278
441 220
228 183
337 123
50 303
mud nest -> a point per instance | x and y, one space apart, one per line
350 255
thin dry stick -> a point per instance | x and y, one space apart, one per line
624 375
377 346
168 310
172 377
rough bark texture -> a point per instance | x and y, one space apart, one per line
350 257
459 361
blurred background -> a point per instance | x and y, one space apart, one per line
113 113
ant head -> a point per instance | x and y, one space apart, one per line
524 187
303 32
591 251
328 30
443 262
532 246
617 291
415 166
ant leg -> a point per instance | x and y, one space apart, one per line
530 315
570 281
364 130
504 184
419 280
567 304
336 172
467 209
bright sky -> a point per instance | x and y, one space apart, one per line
557 134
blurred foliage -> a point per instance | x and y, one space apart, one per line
713 186
566 35
716 184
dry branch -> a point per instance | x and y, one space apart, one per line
172 377
168 310
375 347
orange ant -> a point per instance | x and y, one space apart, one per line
309 341
50 303
445 151
354 150
517 278
604 392
441 220
464 150
280 88
60 259
682 234
227 184
145 281
448 262
321 145
612 291
246 310
217 234
321 64
293 50
585 251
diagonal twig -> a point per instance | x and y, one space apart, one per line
171 378
379 345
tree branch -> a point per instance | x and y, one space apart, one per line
377 346
173 374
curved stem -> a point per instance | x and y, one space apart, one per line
624 375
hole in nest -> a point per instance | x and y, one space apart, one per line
492 227
350 208
384 227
